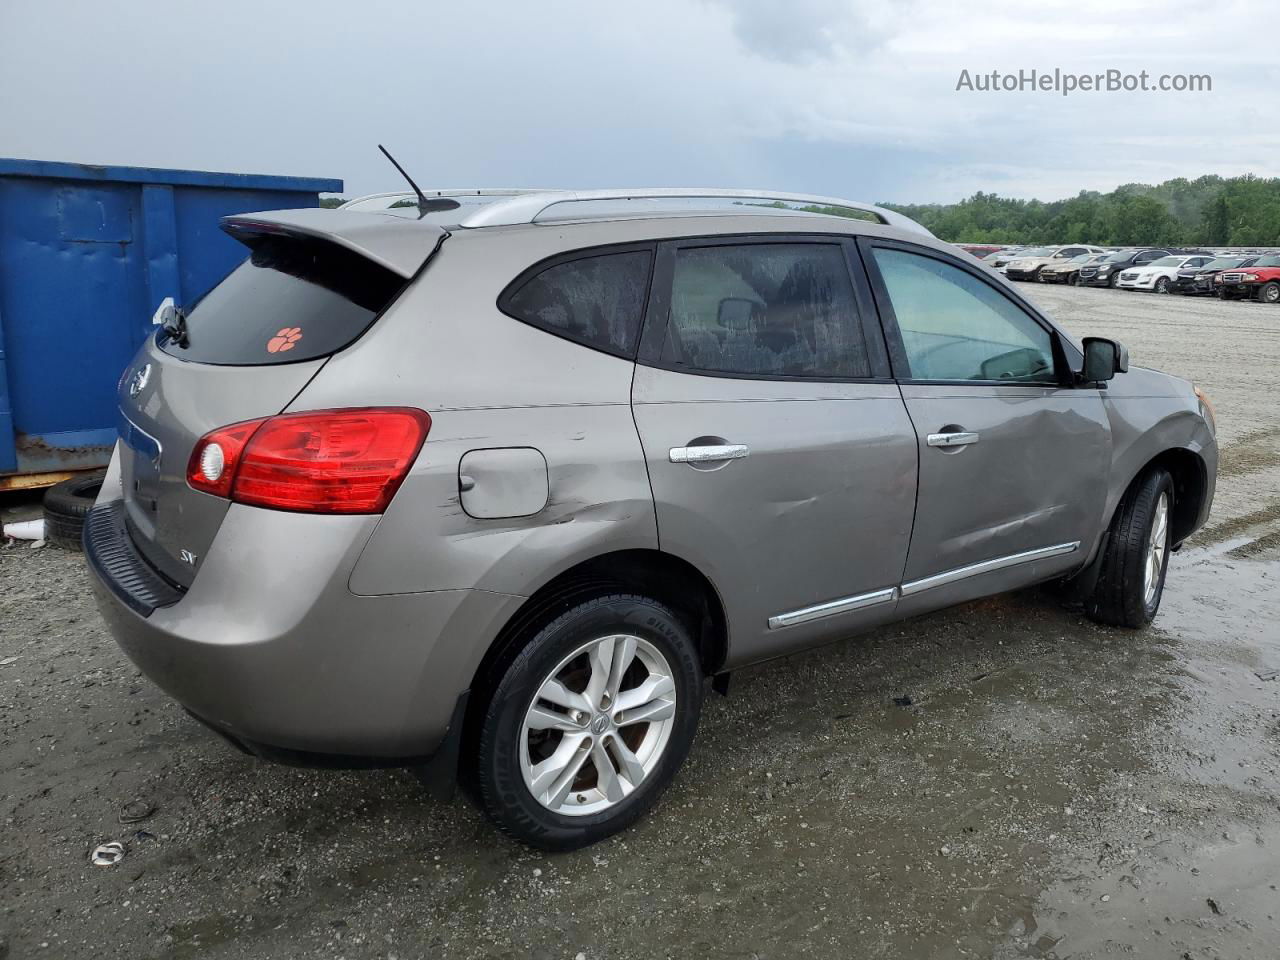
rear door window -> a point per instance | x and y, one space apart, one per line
765 310
597 299
295 298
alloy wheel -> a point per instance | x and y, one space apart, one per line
598 725
1156 549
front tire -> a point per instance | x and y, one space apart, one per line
589 723
1162 285
1269 292
1131 581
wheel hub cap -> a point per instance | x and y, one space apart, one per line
598 725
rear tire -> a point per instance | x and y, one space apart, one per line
559 764
1131 581
65 507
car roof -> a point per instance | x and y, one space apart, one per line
496 207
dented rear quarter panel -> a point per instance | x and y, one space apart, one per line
490 381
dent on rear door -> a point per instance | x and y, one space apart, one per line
818 511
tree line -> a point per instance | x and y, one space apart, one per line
1208 211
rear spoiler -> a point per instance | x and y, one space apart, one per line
396 243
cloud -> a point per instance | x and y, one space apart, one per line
802 31
815 96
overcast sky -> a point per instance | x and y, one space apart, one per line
818 96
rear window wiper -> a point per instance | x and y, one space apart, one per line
174 323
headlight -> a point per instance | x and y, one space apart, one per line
1249 276
1206 410
1104 269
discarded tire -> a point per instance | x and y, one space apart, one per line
65 507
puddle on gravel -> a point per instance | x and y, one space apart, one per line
1194 867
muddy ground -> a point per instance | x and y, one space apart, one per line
1054 788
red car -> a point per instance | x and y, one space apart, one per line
1259 281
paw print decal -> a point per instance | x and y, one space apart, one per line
284 340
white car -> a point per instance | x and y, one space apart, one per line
1026 266
1159 275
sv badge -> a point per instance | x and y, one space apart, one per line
187 557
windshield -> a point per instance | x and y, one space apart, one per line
1222 263
1123 256
1083 258
1166 262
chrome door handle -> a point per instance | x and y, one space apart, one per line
726 451
952 439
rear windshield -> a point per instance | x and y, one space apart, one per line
295 298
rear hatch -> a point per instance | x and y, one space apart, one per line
314 282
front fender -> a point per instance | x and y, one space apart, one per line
1152 414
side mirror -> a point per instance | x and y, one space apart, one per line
1103 359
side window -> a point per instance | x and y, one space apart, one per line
956 327
765 309
596 300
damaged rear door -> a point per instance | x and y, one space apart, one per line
780 453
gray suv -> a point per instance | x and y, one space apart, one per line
496 491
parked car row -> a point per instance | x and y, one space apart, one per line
1254 276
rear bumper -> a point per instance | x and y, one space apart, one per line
270 648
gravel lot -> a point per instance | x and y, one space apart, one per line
1055 789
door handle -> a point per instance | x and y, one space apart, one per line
709 452
958 439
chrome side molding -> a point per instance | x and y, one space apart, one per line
832 607
986 566
847 604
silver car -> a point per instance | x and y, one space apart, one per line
497 492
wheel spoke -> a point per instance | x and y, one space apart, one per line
624 651
554 776
646 713
553 691
652 687
541 718
630 764
600 656
607 778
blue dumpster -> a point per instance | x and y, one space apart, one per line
87 254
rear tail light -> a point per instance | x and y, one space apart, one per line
325 461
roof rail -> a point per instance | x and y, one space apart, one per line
532 206
446 192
